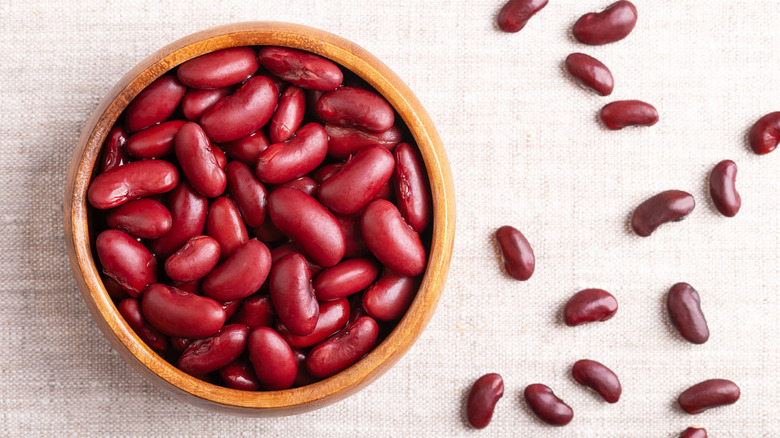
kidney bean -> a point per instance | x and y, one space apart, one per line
194 260
612 24
114 154
412 190
130 309
516 13
219 69
241 274
319 237
230 308
599 378
192 287
282 162
256 311
343 349
268 233
353 237
385 192
519 260
131 181
247 192
188 214
203 356
590 72
302 69
144 218
196 101
288 248
333 317
154 104
484 395
303 377
708 394
197 161
126 261
292 294
304 184
346 278
224 224
241 113
668 206
357 108
589 305
272 359
344 141
547 406
182 314
240 375
247 149
723 190
684 306
114 289
619 114
765 133
390 239
353 186
288 115
179 344
694 432
155 141
389 297
325 172
219 156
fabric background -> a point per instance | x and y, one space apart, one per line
526 149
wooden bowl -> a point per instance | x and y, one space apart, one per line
146 361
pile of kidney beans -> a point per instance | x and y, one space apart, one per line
259 216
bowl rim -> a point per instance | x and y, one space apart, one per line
146 361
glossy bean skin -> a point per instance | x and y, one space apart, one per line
723 189
411 187
353 237
292 294
390 239
344 141
353 186
203 356
114 154
195 102
357 108
154 104
612 24
519 260
304 184
188 286
342 349
219 69
619 114
241 274
765 133
346 278
295 157
198 256
302 69
482 399
224 224
708 394
188 214
684 307
319 236
155 141
516 13
668 206
589 305
241 113
239 374
130 309
247 192
591 73
288 115
197 161
272 359
547 406
333 317
219 156
256 311
694 432
131 181
389 297
144 218
288 248
126 261
247 149
181 314
599 378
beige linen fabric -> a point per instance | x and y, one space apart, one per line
526 149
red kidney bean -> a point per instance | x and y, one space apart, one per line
391 240
346 278
256 311
114 289
591 73
610 25
389 297
589 305
282 162
684 306
325 172
303 377
342 349
268 233
288 115
694 432
357 108
193 260
708 394
247 192
241 274
547 406
144 218
344 141
130 309
241 113
219 69
385 192
412 190
622 113
197 161
765 134
333 317
516 13
303 69
247 149
668 206
519 260
192 287
131 181
126 261
203 356
182 314
353 186
239 374
179 344
155 141
154 104
230 308
292 294
188 213
353 237
195 102
288 248
224 224
219 156
304 184
114 154
272 359
599 378
484 395
319 237
723 190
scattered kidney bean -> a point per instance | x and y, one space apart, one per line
622 113
194 260
196 101
288 115
241 274
590 72
182 314
155 141
342 349
344 141
130 309
547 406
357 108
765 133
193 150
247 149
239 374
256 311
154 104
684 306
519 260
144 218
612 24
292 294
302 69
389 297
224 224
668 206
272 359
114 154
333 316
598 377
131 181
219 69
126 261
723 190
355 183
516 13
481 403
203 356
694 432
708 394
241 113
297 156
589 305
345 278
390 239
188 215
